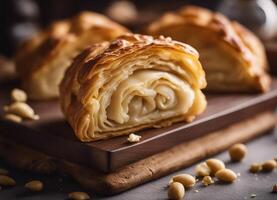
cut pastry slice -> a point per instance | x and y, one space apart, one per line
132 83
42 61
233 58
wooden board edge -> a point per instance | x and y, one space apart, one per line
144 170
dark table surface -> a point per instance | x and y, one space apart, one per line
57 187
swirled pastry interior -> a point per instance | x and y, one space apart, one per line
232 57
41 61
132 83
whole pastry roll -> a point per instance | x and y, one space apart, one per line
132 83
233 58
42 60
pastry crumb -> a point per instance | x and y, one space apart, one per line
202 170
133 138
207 180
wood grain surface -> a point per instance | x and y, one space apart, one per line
142 171
52 135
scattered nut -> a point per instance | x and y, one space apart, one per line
134 138
78 196
6 181
207 180
35 186
215 165
13 118
253 195
274 188
21 109
202 169
269 165
18 95
237 152
226 175
176 191
3 171
255 168
122 11
187 180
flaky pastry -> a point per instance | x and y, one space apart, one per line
134 82
42 60
233 58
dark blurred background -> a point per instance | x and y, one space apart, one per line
20 19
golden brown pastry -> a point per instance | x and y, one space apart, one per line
232 57
41 61
132 83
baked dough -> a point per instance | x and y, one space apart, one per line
132 83
233 58
42 60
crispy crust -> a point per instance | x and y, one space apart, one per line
82 81
56 46
231 35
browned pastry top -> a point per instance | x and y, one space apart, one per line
127 44
244 42
94 58
103 70
214 21
48 43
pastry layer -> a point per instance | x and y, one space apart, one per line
132 83
42 60
233 58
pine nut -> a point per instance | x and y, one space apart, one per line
186 180
21 109
35 186
78 196
6 181
237 152
255 168
226 175
18 95
215 165
269 165
176 191
13 117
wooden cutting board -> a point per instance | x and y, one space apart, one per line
52 135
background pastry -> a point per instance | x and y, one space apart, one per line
132 83
41 61
233 57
